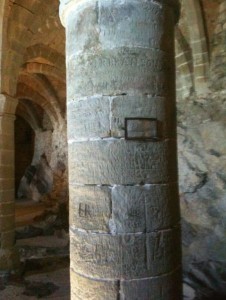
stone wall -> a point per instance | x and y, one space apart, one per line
202 170
45 176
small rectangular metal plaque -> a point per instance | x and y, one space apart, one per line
141 129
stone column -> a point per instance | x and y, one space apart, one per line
8 256
124 207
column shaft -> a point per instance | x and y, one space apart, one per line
8 256
124 207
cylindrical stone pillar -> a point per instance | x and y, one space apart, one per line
124 207
8 256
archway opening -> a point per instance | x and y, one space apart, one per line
24 149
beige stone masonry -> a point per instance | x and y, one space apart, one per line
8 255
124 211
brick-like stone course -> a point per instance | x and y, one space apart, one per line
124 210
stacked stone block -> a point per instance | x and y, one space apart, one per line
124 207
218 55
198 43
8 256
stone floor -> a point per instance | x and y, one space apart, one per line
45 261
44 274
44 270
38 284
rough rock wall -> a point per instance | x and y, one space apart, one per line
24 148
48 181
202 172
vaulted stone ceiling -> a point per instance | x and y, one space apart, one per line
195 35
33 65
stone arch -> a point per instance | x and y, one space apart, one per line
27 112
26 92
20 26
51 57
218 58
38 84
184 66
198 41
45 69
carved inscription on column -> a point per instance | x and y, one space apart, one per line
161 251
128 210
90 208
117 71
140 24
144 129
122 67
134 262
124 256
95 255
119 162
162 206
85 211
159 108
145 208
89 118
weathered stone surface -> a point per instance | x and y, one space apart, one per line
6 195
104 116
146 107
6 183
7 124
85 288
7 208
89 118
7 239
6 156
83 23
123 62
134 208
7 141
6 171
141 129
128 209
7 222
9 259
136 24
163 251
122 162
118 71
125 256
144 208
156 288
90 208
110 24
37 180
188 292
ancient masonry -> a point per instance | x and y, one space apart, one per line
124 207
9 258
